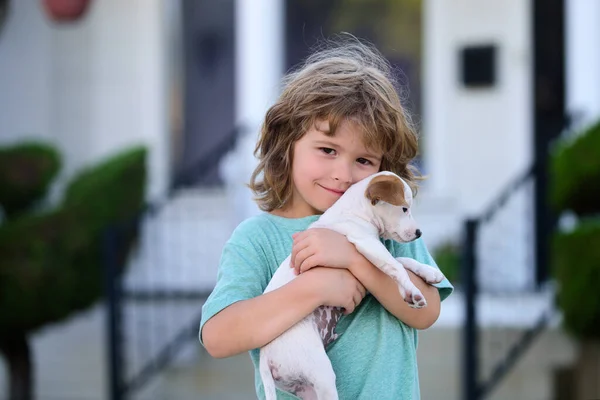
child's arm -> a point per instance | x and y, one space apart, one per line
386 292
325 247
253 323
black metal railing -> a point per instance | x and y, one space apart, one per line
475 385
136 309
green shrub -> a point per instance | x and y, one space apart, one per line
576 265
39 279
111 191
575 173
448 258
51 263
26 172
575 186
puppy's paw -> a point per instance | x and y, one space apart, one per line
417 301
414 298
432 275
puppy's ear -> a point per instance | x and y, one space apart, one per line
386 188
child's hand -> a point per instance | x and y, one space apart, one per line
321 247
337 288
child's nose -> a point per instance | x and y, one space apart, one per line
343 173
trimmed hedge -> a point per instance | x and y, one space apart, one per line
26 172
51 263
575 186
575 169
112 191
448 258
576 258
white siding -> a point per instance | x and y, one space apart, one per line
92 86
476 139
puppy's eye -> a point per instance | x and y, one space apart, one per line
405 209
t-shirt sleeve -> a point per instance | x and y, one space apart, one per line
242 275
418 251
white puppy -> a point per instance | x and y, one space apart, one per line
377 206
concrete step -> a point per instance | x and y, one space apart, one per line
210 379
181 242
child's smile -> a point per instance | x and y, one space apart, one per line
335 192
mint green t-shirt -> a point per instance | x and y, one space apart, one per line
375 354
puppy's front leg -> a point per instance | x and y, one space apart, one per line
378 255
429 274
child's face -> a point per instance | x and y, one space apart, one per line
324 167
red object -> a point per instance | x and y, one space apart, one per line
65 10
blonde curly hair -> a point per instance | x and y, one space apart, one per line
343 80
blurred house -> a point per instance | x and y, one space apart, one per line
193 79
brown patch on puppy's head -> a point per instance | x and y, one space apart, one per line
386 188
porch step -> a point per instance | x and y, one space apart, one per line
181 242
210 379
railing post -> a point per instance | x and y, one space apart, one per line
543 216
470 342
113 315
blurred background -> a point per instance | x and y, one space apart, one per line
126 138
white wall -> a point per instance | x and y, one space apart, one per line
476 139
259 68
479 140
91 87
25 70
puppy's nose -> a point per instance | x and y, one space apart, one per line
418 233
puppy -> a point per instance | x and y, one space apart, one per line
378 206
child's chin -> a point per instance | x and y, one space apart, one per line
321 208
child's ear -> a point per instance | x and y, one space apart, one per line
388 188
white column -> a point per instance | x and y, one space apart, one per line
582 31
25 74
259 68
128 85
436 82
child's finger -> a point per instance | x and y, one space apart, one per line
362 290
357 299
299 236
310 262
349 308
296 248
301 256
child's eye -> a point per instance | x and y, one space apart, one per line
364 161
327 150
